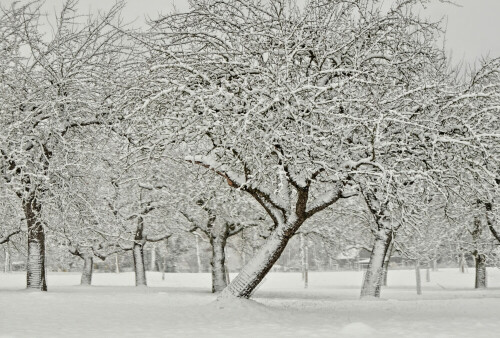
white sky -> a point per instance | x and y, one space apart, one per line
473 28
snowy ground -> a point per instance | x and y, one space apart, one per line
182 306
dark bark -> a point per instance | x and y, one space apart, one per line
35 274
491 220
286 222
7 237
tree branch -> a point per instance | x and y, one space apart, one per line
7 237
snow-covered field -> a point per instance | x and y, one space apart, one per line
182 306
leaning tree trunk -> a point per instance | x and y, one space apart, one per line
35 267
491 220
88 268
373 275
386 264
219 278
481 278
256 269
138 253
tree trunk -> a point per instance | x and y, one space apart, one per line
88 268
35 267
243 257
434 265
7 264
428 273
171 256
479 257
219 280
373 275
256 269
386 264
481 278
491 220
164 266
302 257
385 272
226 269
462 263
153 258
306 268
289 260
228 280
117 264
198 256
418 277
138 253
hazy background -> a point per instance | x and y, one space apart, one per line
473 26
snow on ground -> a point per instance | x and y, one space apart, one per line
182 306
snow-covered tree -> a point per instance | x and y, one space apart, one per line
223 217
53 85
288 103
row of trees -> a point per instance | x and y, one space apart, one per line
245 114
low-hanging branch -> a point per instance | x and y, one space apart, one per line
7 237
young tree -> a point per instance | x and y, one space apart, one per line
473 121
222 220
